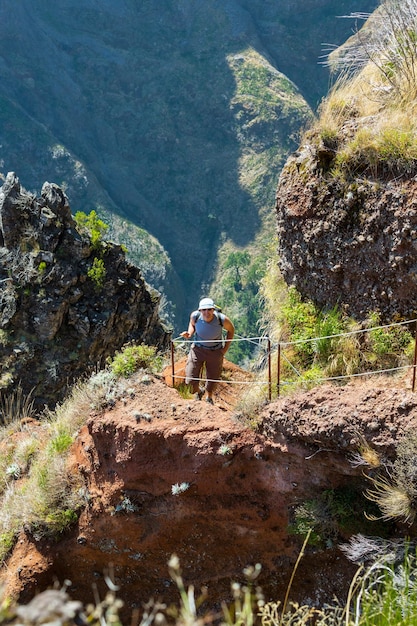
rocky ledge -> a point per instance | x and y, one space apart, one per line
59 319
348 244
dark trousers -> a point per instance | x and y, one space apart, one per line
197 357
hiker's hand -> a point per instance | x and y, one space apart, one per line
185 334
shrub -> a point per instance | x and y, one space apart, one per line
93 225
61 442
134 357
388 343
333 514
97 273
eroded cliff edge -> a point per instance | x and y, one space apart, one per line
241 490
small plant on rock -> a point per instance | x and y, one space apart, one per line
97 273
179 488
93 225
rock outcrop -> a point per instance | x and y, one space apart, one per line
348 244
65 304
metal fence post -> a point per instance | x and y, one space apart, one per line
414 362
269 371
172 363
279 368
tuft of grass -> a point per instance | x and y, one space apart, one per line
184 391
395 492
384 594
16 406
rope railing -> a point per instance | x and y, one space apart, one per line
280 345
348 334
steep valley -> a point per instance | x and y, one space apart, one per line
172 119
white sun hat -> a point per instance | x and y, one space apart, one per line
206 303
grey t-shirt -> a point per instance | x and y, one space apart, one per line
208 334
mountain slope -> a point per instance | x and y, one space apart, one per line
132 108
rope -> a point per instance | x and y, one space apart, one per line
238 338
368 373
352 332
227 382
284 344
298 341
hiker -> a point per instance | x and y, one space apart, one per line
206 325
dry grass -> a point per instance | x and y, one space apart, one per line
368 118
368 136
394 501
37 489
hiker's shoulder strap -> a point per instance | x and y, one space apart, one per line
220 317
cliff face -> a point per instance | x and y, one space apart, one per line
65 304
352 245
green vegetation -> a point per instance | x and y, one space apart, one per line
42 267
93 226
184 391
317 344
237 292
336 513
386 595
97 273
134 357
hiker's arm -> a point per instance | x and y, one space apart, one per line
187 334
228 326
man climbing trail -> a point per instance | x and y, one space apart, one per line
206 325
